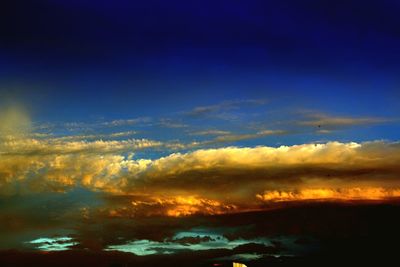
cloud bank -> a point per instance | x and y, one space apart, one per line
210 181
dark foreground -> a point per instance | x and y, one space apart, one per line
346 234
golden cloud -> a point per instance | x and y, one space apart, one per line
356 193
205 180
57 146
173 206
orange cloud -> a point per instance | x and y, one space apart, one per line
209 181
356 193
172 206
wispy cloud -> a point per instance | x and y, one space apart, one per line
217 109
79 126
170 123
210 132
85 136
327 121
126 122
239 137
60 146
223 137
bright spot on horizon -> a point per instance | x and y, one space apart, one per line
177 243
53 244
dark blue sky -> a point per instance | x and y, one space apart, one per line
91 61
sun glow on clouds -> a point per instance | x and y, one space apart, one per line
357 193
173 206
205 181
183 206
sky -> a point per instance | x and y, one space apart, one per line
117 116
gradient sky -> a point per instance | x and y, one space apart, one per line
127 109
85 61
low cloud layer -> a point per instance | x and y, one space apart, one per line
210 181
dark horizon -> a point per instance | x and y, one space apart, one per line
367 234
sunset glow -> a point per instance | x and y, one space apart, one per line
199 133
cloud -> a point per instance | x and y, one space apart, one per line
121 134
79 137
332 122
210 132
169 123
91 126
238 169
227 137
205 181
355 193
204 242
323 131
239 137
126 122
204 111
173 206
30 146
53 244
